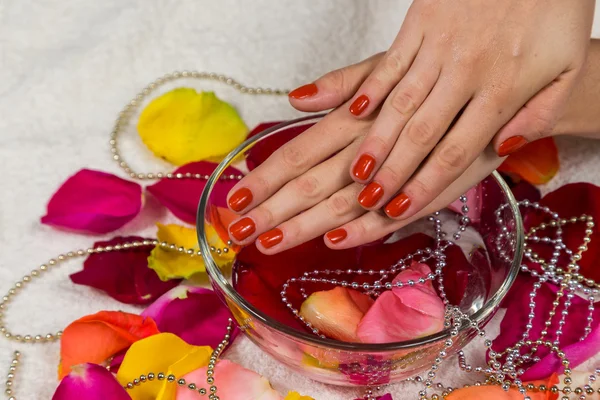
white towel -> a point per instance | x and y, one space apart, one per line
66 69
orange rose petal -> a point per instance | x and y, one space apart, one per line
220 219
489 392
537 162
95 338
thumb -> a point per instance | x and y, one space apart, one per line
538 116
334 88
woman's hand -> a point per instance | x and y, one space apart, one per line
459 73
304 190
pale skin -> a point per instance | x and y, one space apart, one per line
455 86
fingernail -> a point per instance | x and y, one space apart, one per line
242 229
337 235
359 105
364 166
511 145
240 199
271 238
370 195
304 91
397 206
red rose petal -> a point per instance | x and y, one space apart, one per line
123 275
94 201
181 196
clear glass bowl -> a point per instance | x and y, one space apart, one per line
342 363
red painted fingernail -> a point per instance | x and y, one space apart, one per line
240 199
511 145
337 235
363 167
242 229
359 105
397 206
304 91
370 195
271 238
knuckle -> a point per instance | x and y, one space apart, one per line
542 123
418 189
308 186
338 80
391 176
293 157
452 157
393 63
339 205
422 134
263 183
267 217
404 102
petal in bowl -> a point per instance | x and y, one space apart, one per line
123 275
97 337
537 162
90 382
94 201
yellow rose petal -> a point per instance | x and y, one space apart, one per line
183 125
165 353
170 264
297 396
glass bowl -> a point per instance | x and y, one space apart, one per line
360 364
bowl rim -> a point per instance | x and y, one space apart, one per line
216 277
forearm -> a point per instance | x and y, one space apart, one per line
582 117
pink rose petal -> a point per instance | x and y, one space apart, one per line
404 313
263 149
123 275
181 196
516 317
234 382
94 201
195 314
90 382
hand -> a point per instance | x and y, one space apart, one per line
302 191
459 73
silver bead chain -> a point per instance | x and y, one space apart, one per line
124 118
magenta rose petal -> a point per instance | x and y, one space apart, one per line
195 314
123 275
474 203
181 196
94 201
263 149
90 382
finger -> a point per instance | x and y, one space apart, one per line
454 154
296 196
399 107
538 116
390 70
338 209
317 143
374 225
334 88
420 136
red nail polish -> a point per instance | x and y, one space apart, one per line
363 167
370 195
397 206
359 105
511 145
337 235
304 91
242 229
240 199
271 238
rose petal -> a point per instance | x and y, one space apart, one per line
195 314
90 382
123 275
263 149
522 189
181 196
568 201
404 313
513 325
494 392
474 203
164 353
234 382
95 338
183 125
537 162
94 201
